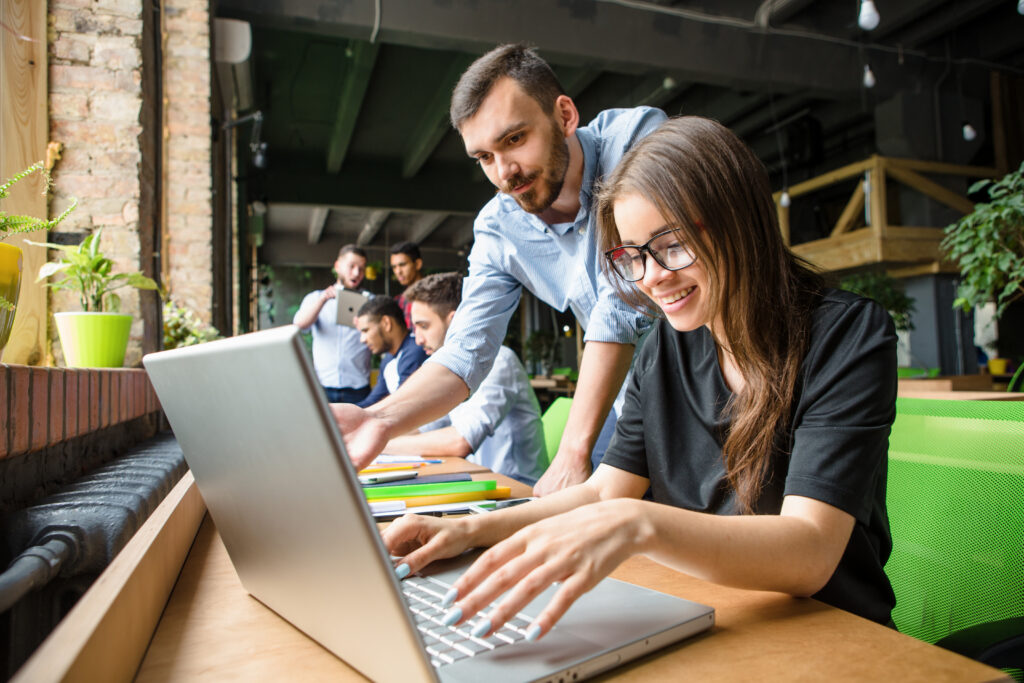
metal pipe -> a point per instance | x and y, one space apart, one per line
35 567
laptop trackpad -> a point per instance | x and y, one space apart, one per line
525 661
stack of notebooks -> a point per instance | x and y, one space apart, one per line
434 494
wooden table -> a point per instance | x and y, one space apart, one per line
211 629
962 395
977 382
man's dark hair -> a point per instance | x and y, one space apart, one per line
380 306
516 61
441 291
410 249
352 249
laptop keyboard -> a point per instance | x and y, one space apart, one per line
448 644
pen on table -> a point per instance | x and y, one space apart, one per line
390 468
491 506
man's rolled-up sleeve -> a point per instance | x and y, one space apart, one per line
489 298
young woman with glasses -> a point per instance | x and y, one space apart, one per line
757 414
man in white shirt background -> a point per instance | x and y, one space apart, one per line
499 426
342 363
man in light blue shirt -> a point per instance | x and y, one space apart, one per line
341 361
517 122
498 426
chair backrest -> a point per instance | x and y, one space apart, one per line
554 419
955 495
917 373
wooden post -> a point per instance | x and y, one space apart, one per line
878 199
23 135
783 216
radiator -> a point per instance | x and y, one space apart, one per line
62 542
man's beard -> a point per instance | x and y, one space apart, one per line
552 177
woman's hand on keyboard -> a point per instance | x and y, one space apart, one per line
576 548
421 539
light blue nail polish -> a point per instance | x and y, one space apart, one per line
449 597
482 627
402 570
454 614
533 632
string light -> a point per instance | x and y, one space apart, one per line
868 18
869 77
784 199
969 132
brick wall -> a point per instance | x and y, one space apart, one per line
42 407
94 103
189 264
57 423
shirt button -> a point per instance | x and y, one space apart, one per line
580 231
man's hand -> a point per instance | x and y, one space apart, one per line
364 433
565 470
327 295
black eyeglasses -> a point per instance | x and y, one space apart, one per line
629 262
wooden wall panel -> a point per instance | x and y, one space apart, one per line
23 136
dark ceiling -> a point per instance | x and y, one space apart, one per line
354 95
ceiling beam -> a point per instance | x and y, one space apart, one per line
426 224
361 58
374 221
292 250
433 121
776 12
317 221
942 20
725 106
655 91
576 79
765 117
448 188
463 235
607 37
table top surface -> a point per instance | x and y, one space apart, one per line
211 629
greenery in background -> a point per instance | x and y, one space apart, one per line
88 273
13 224
884 290
182 327
988 245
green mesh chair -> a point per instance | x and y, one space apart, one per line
956 510
553 420
917 373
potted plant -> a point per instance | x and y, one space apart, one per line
988 246
11 256
96 336
883 289
182 327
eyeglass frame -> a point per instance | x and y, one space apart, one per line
646 248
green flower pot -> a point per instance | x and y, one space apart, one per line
93 340
10 286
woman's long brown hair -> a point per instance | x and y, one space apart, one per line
705 181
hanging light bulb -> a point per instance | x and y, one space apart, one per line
868 17
784 199
1020 6
869 77
969 132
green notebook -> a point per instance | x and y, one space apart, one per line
412 490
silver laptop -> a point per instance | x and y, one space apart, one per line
268 458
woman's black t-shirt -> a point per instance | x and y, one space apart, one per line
671 431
